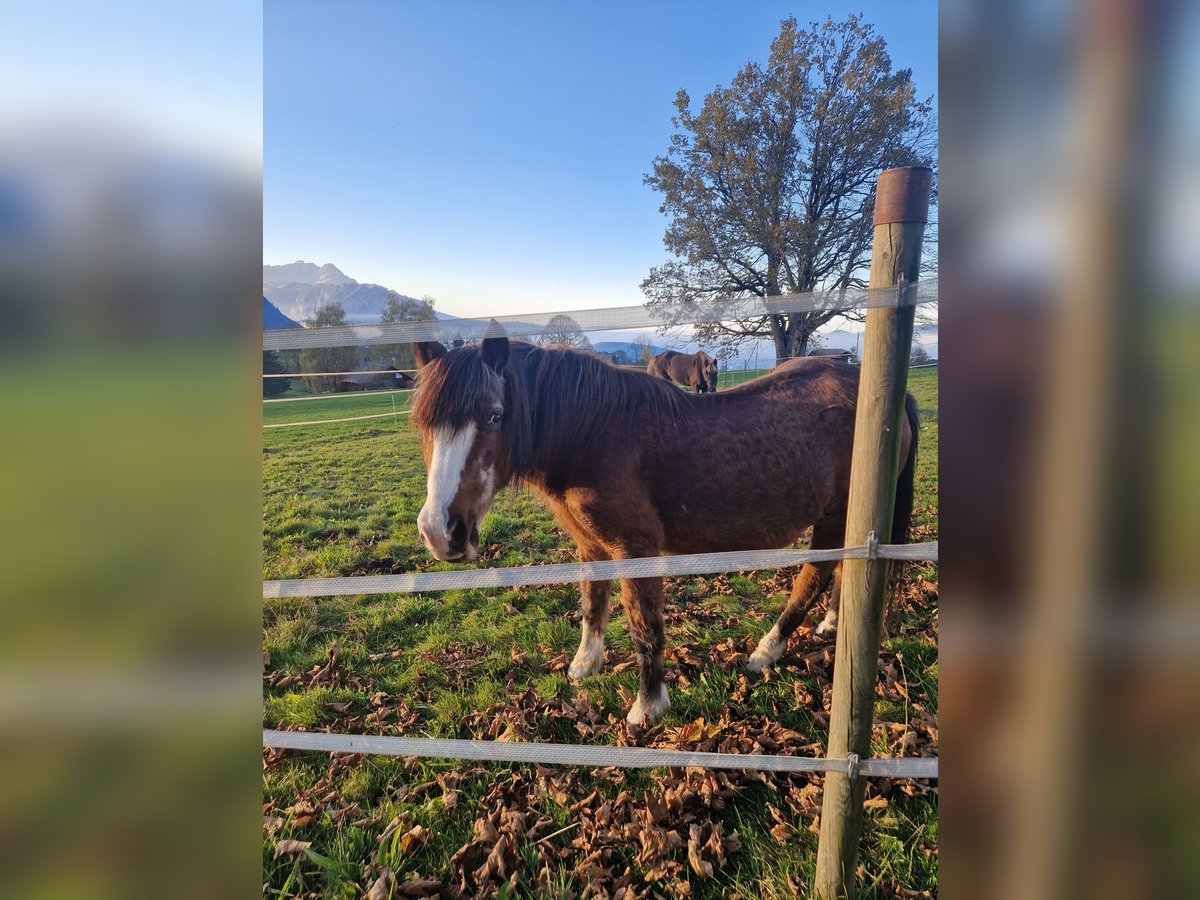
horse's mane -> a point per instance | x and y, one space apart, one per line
557 402
575 399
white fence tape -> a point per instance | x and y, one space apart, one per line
563 573
589 755
386 415
346 395
610 318
328 374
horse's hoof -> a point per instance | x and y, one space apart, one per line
769 649
578 671
827 628
588 660
646 712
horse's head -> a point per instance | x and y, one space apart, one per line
460 410
708 369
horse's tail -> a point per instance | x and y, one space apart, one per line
902 512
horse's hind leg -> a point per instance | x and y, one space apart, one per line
829 624
806 588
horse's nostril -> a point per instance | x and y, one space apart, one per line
458 532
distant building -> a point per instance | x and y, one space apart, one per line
833 353
397 380
390 378
355 383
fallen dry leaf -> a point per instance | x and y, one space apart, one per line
271 824
699 864
381 888
421 887
413 839
291 848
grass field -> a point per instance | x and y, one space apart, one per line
343 500
302 408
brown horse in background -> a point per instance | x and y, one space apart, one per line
695 370
633 467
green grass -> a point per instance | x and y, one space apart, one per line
343 500
735 377
305 408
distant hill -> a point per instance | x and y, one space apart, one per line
925 333
273 319
299 289
633 351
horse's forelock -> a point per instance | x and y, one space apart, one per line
451 390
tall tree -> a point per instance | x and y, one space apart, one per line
398 308
644 354
273 365
327 359
769 187
564 332
920 356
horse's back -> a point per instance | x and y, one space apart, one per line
806 380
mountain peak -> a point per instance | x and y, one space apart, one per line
301 272
331 274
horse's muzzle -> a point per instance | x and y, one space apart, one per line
456 540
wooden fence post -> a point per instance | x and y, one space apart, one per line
901 210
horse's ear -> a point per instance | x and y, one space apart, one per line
494 348
426 352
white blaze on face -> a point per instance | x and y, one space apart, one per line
450 452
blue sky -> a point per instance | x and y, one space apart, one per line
184 76
492 154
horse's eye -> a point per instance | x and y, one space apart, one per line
495 419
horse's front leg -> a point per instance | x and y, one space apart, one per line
643 606
595 595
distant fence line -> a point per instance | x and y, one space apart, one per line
387 415
327 374
607 318
344 395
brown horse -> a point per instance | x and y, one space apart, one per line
633 467
695 370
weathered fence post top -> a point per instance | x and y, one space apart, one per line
902 195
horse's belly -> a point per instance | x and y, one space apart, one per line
752 529
753 490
